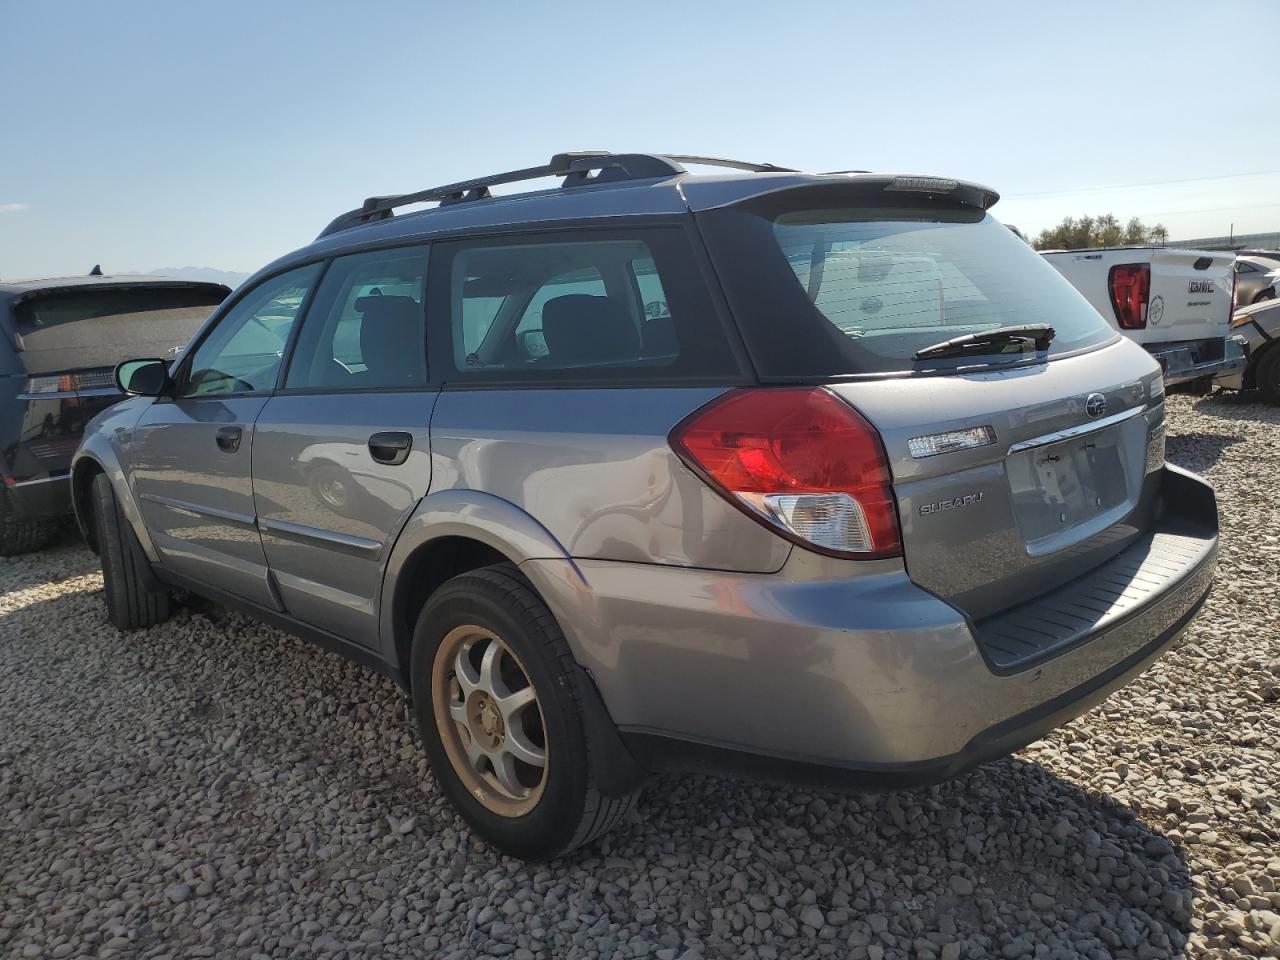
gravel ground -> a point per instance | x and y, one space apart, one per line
212 787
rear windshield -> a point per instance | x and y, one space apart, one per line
76 329
860 290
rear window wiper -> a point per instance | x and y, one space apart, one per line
1041 334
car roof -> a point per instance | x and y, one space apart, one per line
469 206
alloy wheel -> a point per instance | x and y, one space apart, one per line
489 720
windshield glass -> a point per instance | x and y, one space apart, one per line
895 282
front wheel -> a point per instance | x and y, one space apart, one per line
497 699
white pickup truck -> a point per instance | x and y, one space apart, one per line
1175 303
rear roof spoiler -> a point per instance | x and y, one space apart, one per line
707 195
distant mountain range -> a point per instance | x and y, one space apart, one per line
229 277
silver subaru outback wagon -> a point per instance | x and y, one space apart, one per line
826 477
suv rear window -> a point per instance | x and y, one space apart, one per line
600 305
80 328
845 291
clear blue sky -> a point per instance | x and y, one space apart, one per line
145 134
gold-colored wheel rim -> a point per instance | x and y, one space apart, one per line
489 720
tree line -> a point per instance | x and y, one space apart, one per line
1103 231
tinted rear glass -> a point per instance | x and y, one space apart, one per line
78 328
860 290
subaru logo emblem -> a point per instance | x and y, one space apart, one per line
1095 405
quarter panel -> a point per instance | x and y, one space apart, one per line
594 468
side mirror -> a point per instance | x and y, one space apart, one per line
143 378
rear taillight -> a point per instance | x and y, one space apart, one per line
58 383
801 461
1130 288
70 382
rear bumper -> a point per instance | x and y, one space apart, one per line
814 674
655 752
1253 338
1185 361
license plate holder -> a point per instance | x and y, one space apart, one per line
1062 486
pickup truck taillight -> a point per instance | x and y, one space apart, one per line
1129 285
802 462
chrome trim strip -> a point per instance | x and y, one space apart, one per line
196 510
39 480
1077 431
330 537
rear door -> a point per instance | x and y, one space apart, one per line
342 452
191 455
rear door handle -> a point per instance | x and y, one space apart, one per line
391 447
229 439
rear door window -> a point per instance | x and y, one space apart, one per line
599 305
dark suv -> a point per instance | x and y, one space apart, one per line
60 341
821 474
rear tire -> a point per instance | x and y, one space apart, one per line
1266 376
1264 296
23 536
556 805
133 599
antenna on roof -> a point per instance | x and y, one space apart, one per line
96 271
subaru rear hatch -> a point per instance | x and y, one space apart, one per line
1021 432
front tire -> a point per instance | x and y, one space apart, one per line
497 699
133 599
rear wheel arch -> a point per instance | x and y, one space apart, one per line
430 566
450 533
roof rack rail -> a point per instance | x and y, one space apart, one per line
733 164
576 168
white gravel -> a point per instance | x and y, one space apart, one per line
212 787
